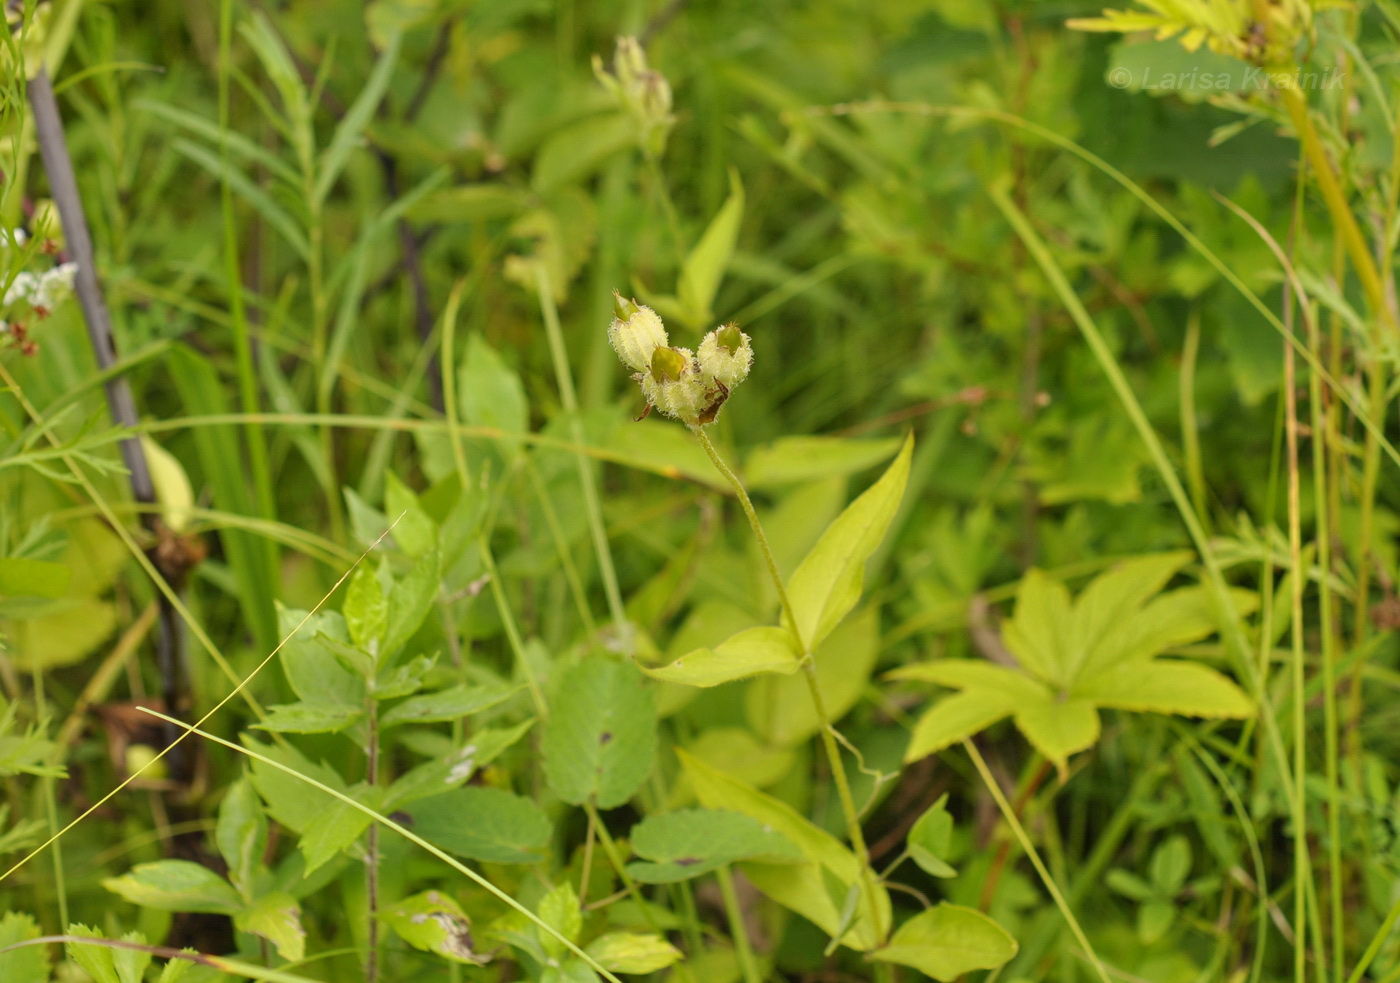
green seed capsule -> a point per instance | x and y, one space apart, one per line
667 364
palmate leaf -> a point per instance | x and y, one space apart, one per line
1081 655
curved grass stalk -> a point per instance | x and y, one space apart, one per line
221 964
406 833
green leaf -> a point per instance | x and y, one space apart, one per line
291 802
946 941
1059 728
366 610
277 918
450 770
484 824
704 267
573 152
29 964
1168 686
749 653
1171 865
600 738
955 717
626 952
801 887
1041 625
559 909
433 922
448 704
410 600
338 826
22 577
176 885
800 459
490 393
686 844
353 121
781 709
1154 919
95 960
309 718
319 662
930 837
413 531
828 583
241 834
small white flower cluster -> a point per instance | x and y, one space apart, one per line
689 386
40 291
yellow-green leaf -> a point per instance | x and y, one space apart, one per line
277 918
749 653
1167 686
627 952
955 717
948 941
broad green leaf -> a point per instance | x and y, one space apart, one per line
627 952
781 710
22 577
1113 598
930 837
483 824
394 682
410 600
414 532
974 674
490 393
800 887
1059 728
828 583
1040 627
450 770
600 738
74 629
277 918
309 718
704 267
570 971
739 754
798 459
95 960
366 610
1175 618
559 909
292 803
1167 686
176 885
448 704
692 842
338 826
433 922
1171 865
574 151
955 717
241 834
319 662
1154 919
29 964
661 448
947 941
749 653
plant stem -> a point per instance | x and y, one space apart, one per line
748 965
372 843
559 355
809 673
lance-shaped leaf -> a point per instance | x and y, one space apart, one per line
692 842
749 653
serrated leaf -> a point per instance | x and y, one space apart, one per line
948 940
490 393
291 802
309 718
749 653
600 738
410 600
451 770
29 964
277 918
319 662
1168 686
626 952
241 834
955 717
414 532
366 610
1059 728
448 704
433 922
704 267
95 960
483 824
686 844
176 885
338 826
828 583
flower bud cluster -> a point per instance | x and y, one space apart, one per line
689 386
25 293
640 90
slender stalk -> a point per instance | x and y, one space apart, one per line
1190 431
809 673
60 876
559 355
748 965
517 646
372 841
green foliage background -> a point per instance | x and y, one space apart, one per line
1111 669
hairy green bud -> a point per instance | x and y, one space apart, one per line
636 336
